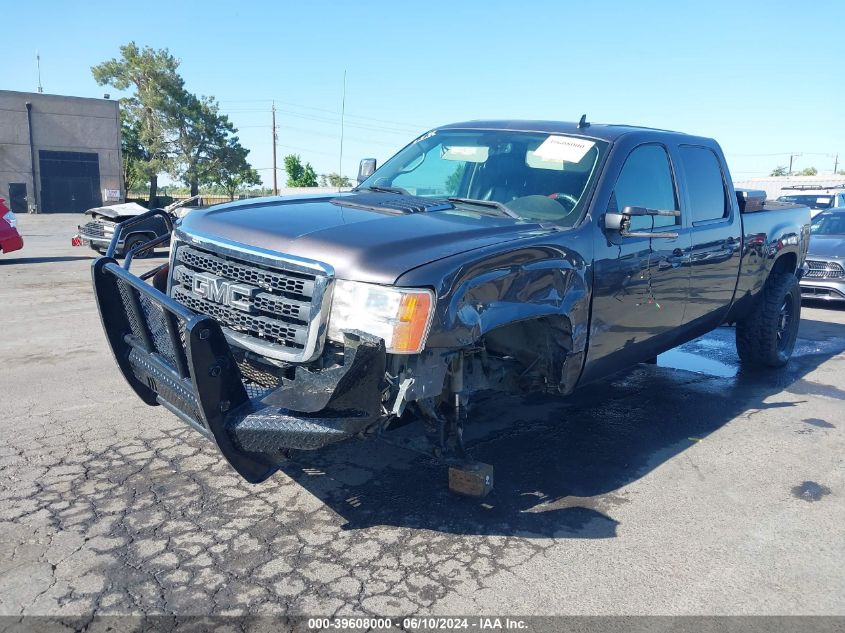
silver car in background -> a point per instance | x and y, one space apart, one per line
825 277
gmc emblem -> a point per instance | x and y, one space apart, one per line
220 290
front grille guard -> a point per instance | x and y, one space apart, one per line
173 357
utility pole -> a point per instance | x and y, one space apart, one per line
275 181
791 156
836 164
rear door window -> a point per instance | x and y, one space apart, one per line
705 184
646 181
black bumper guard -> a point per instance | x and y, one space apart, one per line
173 357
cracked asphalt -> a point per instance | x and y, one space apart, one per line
689 487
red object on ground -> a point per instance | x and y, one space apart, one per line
76 241
10 239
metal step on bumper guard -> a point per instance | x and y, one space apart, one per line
181 360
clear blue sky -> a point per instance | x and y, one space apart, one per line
764 78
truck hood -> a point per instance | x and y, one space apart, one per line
827 246
358 243
117 211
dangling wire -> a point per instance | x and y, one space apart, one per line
651 299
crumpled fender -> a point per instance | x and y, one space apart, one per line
525 283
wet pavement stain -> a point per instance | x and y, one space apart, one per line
687 361
810 491
824 424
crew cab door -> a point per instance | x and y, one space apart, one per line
716 237
640 284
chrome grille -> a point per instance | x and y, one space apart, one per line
824 270
240 271
95 229
278 312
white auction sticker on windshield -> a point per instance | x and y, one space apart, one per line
564 148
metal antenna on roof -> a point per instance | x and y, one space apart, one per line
342 118
583 122
38 70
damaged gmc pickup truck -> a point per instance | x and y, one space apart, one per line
520 256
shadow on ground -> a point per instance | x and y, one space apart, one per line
559 463
122 517
43 260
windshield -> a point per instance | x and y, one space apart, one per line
540 177
812 201
828 224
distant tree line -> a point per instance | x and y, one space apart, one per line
166 129
781 170
300 175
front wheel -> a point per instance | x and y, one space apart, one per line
766 337
137 240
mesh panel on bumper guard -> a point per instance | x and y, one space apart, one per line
181 360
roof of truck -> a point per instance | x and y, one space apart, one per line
603 131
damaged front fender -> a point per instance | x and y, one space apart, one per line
529 304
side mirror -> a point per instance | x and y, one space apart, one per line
366 169
621 222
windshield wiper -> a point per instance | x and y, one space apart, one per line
493 204
382 189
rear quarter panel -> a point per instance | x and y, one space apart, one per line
779 230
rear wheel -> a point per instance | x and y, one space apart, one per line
766 337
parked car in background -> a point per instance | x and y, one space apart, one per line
817 197
825 278
99 230
10 239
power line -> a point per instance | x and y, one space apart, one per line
354 124
326 110
329 135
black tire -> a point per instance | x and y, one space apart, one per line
766 337
137 240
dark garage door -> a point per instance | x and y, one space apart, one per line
17 197
70 181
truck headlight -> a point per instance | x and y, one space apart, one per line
400 316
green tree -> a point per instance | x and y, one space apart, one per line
230 169
336 180
809 171
454 179
780 170
157 89
201 133
299 175
135 157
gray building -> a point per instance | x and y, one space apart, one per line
58 154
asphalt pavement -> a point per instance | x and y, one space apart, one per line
689 487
